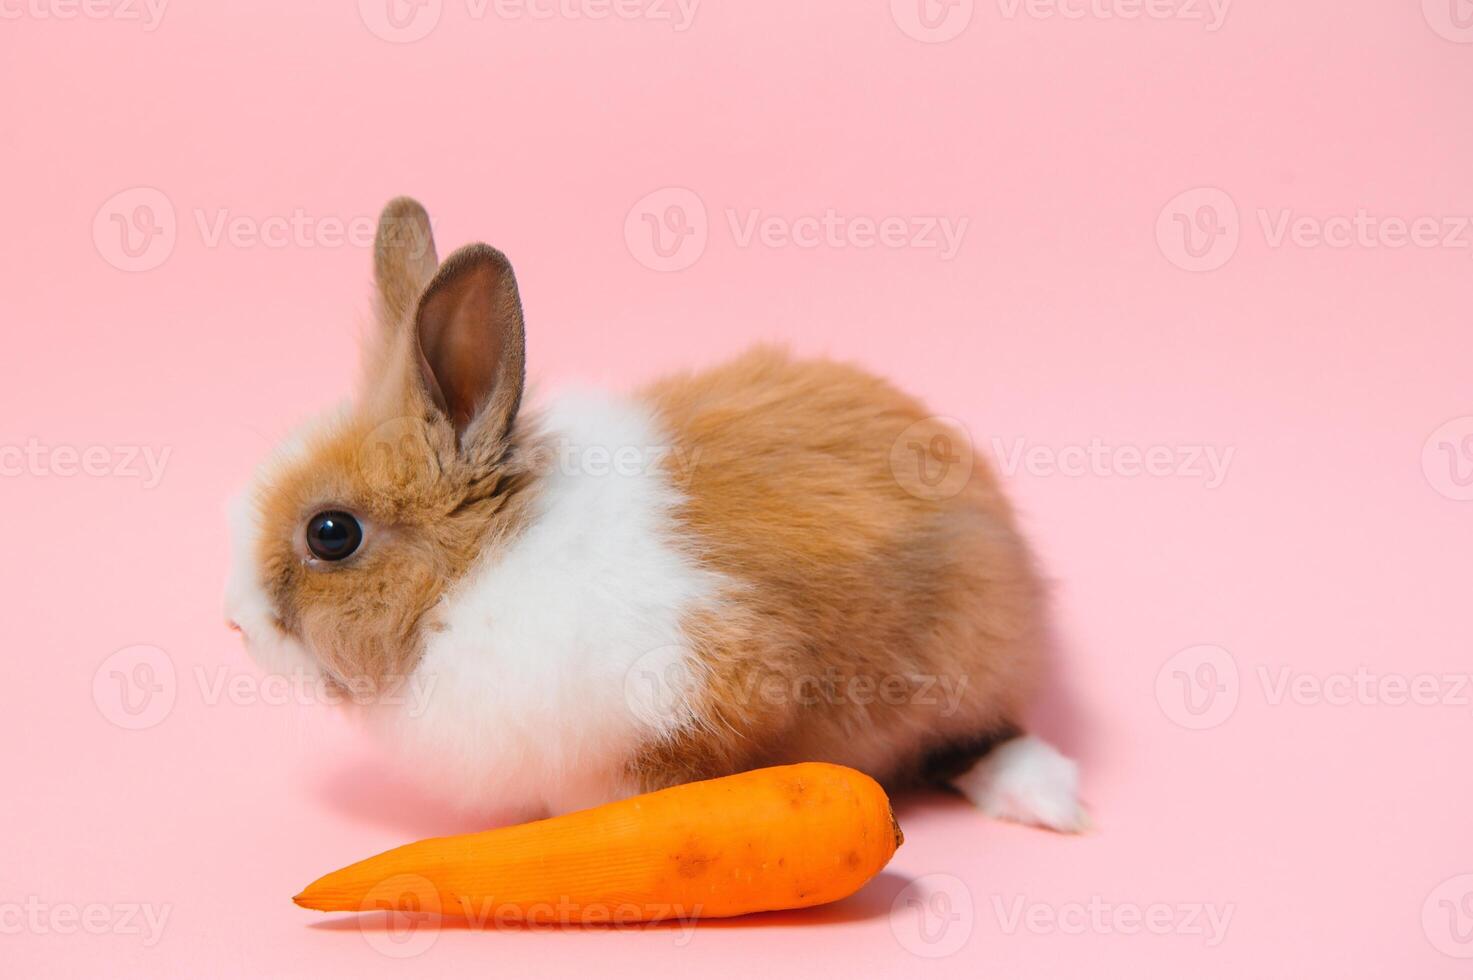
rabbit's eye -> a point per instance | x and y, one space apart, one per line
334 535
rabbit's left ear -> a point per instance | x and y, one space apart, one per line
404 260
472 345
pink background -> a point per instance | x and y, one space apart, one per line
1338 540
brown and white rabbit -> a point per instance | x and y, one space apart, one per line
741 567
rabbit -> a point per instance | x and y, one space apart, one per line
771 561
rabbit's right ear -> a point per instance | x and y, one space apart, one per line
404 262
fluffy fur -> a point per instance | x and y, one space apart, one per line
1027 780
719 572
537 701
873 626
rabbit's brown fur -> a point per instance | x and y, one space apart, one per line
846 578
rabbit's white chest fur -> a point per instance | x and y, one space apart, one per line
539 673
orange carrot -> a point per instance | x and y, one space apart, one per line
781 838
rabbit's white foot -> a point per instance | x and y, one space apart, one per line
1028 781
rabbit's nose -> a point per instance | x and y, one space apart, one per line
232 624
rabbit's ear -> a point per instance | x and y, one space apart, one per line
471 344
404 261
